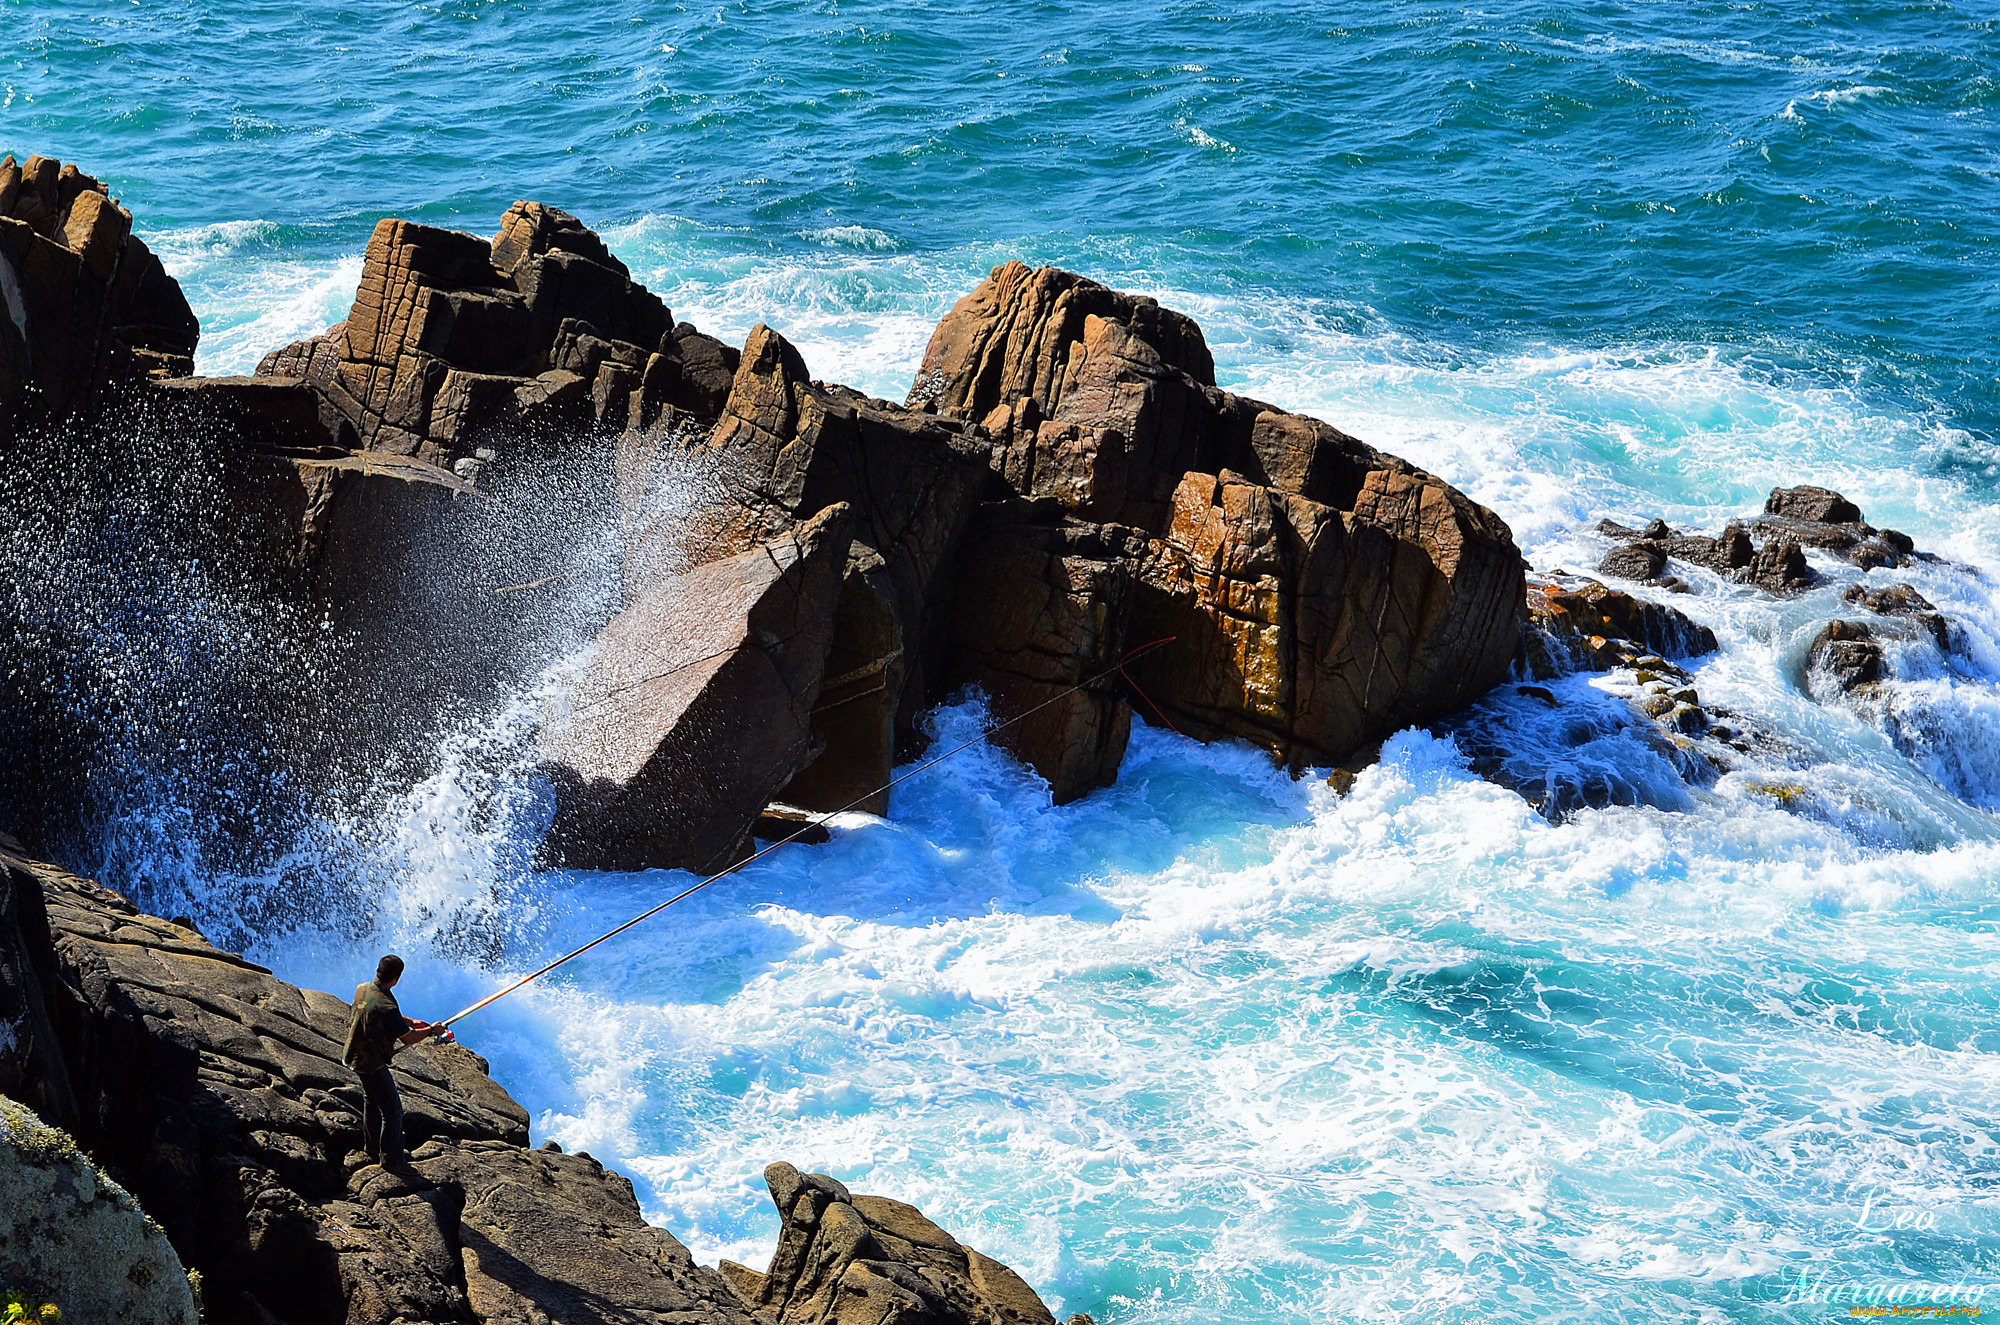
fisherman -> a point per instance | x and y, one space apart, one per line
375 1030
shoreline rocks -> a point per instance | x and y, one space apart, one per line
213 1092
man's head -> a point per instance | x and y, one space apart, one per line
389 970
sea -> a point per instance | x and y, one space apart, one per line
1217 1043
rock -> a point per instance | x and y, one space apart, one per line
311 360
1581 625
273 415
1642 561
213 1092
71 1236
1902 600
845 1259
455 343
1847 653
1315 587
86 305
1040 608
1814 505
1314 631
695 706
1779 568
787 448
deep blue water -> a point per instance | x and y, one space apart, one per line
1214 1044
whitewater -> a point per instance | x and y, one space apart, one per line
1216 1043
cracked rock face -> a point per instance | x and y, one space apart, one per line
844 1259
695 706
1320 594
214 1094
83 302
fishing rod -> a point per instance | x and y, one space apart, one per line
686 893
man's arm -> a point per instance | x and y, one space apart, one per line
419 1031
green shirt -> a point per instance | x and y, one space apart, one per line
373 1029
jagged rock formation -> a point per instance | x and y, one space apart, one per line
214 1093
844 1259
1578 625
1065 482
458 346
1794 519
71 1236
84 304
1320 594
696 704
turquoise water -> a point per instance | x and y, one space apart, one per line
1214 1044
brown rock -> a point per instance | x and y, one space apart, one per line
1585 626
787 447
1040 608
845 1259
452 340
83 304
695 706
1815 505
1314 631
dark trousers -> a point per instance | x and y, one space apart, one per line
381 1113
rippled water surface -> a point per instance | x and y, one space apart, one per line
1214 1044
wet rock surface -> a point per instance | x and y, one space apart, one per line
214 1093
695 706
1774 560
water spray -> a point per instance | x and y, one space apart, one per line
1119 667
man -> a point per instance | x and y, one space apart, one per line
375 1030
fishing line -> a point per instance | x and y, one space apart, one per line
1118 666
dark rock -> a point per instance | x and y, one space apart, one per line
214 1093
1642 561
1727 553
1039 609
1585 626
1848 653
854 721
844 1259
84 304
1902 600
1780 568
276 415
1814 505
695 706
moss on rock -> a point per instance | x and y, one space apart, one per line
71 1236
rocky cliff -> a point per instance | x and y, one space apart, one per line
214 1093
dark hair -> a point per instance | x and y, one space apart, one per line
389 968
